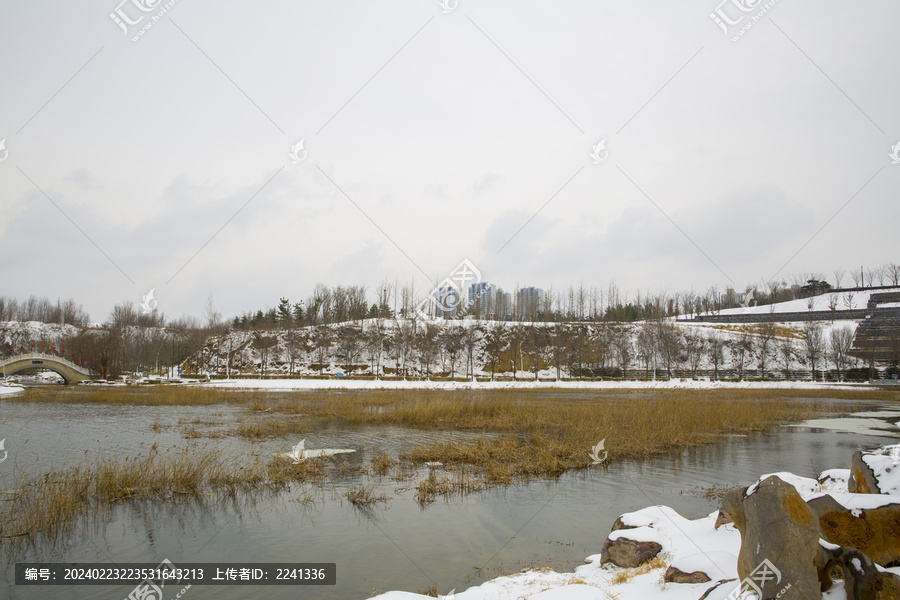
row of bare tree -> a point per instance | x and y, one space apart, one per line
61 312
413 347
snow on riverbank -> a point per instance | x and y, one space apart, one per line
10 389
357 384
687 545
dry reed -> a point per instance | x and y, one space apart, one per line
58 500
365 495
140 395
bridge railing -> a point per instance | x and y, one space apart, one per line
41 356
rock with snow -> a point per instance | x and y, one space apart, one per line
835 480
863 579
676 575
876 471
777 526
628 553
691 546
870 523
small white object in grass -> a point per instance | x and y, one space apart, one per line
432 465
596 450
297 453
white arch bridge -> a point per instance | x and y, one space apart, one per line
32 361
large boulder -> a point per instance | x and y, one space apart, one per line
627 553
779 539
871 524
676 575
863 579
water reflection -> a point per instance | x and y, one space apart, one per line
451 543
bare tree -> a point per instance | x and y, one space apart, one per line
558 340
428 344
786 351
212 316
452 341
349 341
893 272
493 346
832 305
535 344
848 300
623 348
841 340
472 335
375 337
870 277
741 350
646 347
322 338
814 345
670 343
695 348
715 348
838 276
765 334
514 340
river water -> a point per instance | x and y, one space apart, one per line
397 544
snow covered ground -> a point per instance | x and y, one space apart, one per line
842 301
688 545
10 389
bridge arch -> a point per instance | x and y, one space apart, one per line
68 370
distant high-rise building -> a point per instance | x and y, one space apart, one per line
447 301
504 305
482 298
529 302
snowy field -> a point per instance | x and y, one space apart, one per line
823 302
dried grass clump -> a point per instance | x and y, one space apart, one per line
59 500
627 575
382 464
365 495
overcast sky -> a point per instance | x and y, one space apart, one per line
430 137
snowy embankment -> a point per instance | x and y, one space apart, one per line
822 302
10 389
357 384
688 546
